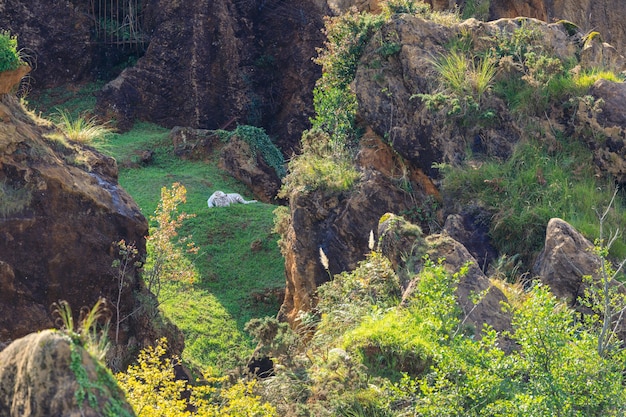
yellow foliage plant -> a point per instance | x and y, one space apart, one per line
153 391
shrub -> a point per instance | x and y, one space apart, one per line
335 105
321 165
534 185
261 143
152 390
9 56
166 261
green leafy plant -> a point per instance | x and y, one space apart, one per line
322 165
166 260
90 330
261 143
10 58
464 82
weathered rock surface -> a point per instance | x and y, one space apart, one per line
54 37
214 63
416 133
606 16
41 375
340 225
606 123
61 210
235 157
566 258
569 266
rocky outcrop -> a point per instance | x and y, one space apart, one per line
604 121
340 225
214 63
605 17
566 258
405 247
47 374
571 268
416 133
61 212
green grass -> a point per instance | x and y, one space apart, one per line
534 185
213 311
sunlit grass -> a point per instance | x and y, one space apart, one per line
83 129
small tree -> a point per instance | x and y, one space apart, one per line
164 256
606 295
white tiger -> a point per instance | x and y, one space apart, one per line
221 199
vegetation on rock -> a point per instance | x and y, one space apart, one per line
10 58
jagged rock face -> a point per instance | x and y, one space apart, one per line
54 37
606 123
217 63
340 225
60 213
38 378
416 133
604 16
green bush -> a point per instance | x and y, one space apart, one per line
9 56
261 143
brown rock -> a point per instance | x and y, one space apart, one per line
567 257
340 225
417 134
213 63
54 37
474 283
10 79
607 124
249 167
61 211
604 16
403 244
43 374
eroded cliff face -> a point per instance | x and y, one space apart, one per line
218 63
54 37
420 138
61 212
605 17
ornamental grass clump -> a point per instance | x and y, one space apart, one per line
81 129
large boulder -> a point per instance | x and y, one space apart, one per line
566 258
61 213
48 374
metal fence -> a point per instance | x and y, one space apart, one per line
118 22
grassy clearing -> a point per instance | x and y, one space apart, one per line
238 255
213 311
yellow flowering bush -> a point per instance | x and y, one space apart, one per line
153 391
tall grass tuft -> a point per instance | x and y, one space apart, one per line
83 129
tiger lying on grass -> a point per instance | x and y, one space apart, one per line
221 199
